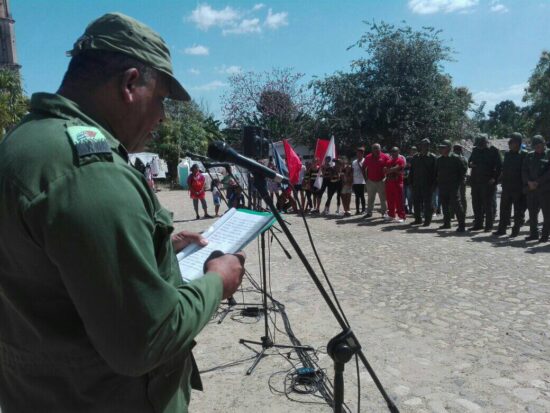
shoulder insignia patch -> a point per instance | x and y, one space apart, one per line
88 140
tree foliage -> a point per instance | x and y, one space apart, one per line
507 117
186 128
396 95
538 95
275 100
13 103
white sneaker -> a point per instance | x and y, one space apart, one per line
388 218
399 220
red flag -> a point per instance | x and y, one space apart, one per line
293 163
321 149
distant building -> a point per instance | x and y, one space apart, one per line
8 52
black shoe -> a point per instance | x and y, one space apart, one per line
426 224
461 228
487 229
475 228
198 216
532 237
417 222
368 215
357 213
515 232
543 238
499 232
445 226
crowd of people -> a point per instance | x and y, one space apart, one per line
423 184
420 184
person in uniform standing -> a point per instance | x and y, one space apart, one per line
486 165
458 150
512 187
421 178
407 188
359 180
536 181
449 174
94 314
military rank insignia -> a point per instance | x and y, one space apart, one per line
88 140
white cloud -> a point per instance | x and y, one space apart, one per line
244 27
498 7
513 92
197 50
438 6
276 20
229 70
207 87
258 6
204 16
194 71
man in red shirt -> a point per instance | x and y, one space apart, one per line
374 164
394 185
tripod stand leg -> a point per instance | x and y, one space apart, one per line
256 361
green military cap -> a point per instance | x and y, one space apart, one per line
445 144
425 141
116 32
516 137
482 137
535 140
458 146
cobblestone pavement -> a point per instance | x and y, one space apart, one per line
449 322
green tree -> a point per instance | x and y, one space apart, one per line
507 117
186 128
538 95
398 94
13 103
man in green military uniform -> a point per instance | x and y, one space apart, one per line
449 174
512 187
421 178
536 181
486 165
94 316
458 150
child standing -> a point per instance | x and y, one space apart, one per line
196 182
347 185
216 196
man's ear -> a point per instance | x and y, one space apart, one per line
128 84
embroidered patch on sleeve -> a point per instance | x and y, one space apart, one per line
88 140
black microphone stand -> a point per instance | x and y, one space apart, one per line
342 347
265 341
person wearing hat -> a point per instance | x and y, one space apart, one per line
536 184
458 150
94 315
421 178
486 165
449 174
512 187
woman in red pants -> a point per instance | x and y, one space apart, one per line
394 186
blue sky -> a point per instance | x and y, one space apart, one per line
497 43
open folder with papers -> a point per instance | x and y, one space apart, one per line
229 234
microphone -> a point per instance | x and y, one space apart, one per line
220 151
197 157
